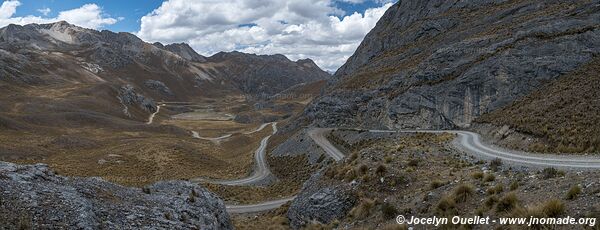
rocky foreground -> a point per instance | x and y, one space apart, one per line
32 196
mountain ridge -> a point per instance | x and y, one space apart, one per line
60 56
441 64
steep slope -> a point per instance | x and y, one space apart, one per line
564 115
441 64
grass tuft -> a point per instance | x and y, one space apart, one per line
507 203
573 192
463 192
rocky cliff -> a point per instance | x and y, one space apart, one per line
33 197
441 64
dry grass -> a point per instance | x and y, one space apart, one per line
446 206
363 209
565 114
573 192
463 192
507 203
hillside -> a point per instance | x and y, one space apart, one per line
441 64
564 114
63 69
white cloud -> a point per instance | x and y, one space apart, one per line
44 11
88 15
8 8
296 28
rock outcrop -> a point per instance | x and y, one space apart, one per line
128 96
158 86
32 196
320 202
441 64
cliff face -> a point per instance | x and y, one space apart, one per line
564 115
441 64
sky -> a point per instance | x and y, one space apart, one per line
327 31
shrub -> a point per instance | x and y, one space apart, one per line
413 162
350 175
389 211
192 198
548 173
446 205
495 190
436 184
362 169
514 185
507 203
353 156
363 209
388 159
490 201
477 175
573 192
380 170
489 177
553 208
495 164
463 192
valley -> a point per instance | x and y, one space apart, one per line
446 108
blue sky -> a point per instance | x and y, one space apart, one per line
327 31
132 10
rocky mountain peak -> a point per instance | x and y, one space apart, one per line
308 63
185 51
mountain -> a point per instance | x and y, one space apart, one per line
442 64
60 68
184 51
563 116
265 74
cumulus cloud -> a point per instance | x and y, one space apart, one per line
296 28
88 16
44 11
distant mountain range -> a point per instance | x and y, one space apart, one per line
63 67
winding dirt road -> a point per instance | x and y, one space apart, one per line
219 139
318 136
265 206
471 143
151 118
261 168
467 141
